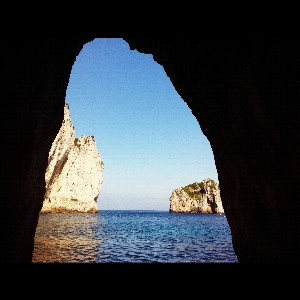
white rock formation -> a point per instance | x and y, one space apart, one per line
75 172
203 197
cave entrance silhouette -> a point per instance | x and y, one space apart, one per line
118 95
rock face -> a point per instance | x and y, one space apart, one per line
74 173
199 197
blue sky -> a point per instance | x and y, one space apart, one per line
148 138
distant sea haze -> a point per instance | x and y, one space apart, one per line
133 236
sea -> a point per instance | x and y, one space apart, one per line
133 236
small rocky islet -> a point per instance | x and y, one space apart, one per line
198 197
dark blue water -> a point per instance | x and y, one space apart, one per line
133 236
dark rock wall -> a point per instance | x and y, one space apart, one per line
34 78
244 95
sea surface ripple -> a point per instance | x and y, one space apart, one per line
133 237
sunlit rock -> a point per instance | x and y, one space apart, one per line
75 172
198 197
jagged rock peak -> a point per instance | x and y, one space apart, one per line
75 172
198 197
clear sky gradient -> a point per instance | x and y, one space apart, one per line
148 138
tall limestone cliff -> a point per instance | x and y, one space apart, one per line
199 197
75 172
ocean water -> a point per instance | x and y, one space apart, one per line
133 237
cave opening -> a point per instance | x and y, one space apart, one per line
147 136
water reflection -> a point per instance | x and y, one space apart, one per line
68 238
